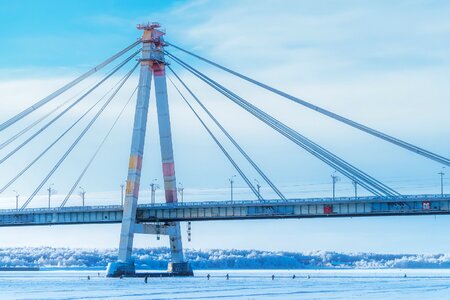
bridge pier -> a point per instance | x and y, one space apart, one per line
152 63
174 268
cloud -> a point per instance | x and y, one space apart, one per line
382 64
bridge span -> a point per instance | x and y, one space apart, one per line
233 210
165 218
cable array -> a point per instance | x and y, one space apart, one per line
230 138
368 182
88 126
66 87
396 141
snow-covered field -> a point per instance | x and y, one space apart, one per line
243 284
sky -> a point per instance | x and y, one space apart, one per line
380 63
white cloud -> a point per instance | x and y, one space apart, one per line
380 64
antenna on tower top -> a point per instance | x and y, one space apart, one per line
148 26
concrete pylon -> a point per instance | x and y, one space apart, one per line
168 166
152 62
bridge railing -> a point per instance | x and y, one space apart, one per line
299 200
236 203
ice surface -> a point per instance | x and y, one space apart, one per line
332 275
256 284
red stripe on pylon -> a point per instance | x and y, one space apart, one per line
159 69
171 196
168 169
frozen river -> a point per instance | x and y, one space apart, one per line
321 284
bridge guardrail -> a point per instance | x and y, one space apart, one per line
236 203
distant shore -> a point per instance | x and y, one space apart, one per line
217 259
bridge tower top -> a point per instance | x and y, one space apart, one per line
153 33
153 43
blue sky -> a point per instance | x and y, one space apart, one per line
380 63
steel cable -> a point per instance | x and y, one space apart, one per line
68 108
74 186
247 157
345 168
376 133
57 139
58 92
225 152
88 126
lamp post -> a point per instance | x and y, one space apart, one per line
442 181
181 191
50 192
355 185
17 199
335 179
231 186
153 187
121 193
82 194
258 187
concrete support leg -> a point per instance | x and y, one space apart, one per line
177 265
125 264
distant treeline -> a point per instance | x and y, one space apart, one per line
156 258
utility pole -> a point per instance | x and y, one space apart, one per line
181 191
442 181
17 199
355 185
258 187
82 194
50 192
335 179
154 187
121 193
231 186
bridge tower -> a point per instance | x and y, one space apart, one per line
152 63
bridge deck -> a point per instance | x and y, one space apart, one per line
237 210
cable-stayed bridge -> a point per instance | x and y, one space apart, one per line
164 219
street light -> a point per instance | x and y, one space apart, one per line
50 193
82 194
121 193
231 186
355 185
17 199
258 187
335 179
442 181
153 186
181 191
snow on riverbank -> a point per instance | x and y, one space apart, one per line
156 258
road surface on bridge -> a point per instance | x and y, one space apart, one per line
236 210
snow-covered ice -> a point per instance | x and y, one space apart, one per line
333 275
243 284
